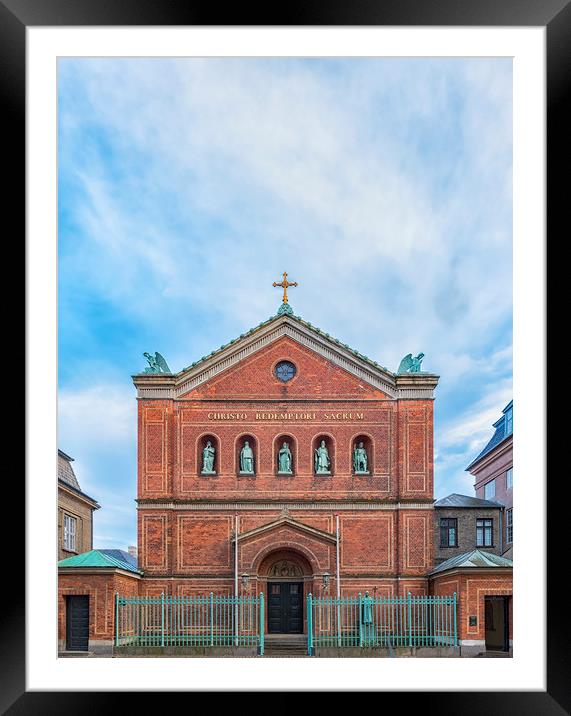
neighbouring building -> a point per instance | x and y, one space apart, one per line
87 585
75 511
484 584
493 474
463 523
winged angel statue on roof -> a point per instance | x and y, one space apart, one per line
409 364
157 364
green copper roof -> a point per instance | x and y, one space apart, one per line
473 559
102 558
286 309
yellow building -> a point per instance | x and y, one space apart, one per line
75 512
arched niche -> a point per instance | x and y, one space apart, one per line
362 465
323 463
283 563
206 461
281 458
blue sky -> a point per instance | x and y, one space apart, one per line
187 186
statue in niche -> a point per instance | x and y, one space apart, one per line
284 460
208 459
322 461
360 460
247 459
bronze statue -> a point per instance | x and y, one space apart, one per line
247 459
322 461
410 365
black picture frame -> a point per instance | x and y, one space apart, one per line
555 16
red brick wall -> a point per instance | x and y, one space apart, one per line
198 542
101 589
471 589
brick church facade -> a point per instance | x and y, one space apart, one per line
234 496
369 531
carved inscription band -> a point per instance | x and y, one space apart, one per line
286 416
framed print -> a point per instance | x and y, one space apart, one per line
132 249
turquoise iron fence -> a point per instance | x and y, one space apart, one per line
208 620
365 621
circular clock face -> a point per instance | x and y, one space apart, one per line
285 370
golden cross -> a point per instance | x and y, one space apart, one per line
285 283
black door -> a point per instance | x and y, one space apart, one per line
77 623
497 623
285 607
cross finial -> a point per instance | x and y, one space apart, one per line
284 284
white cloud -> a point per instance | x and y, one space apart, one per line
99 415
293 173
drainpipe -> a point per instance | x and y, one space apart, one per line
338 587
502 531
236 580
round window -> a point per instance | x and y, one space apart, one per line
285 370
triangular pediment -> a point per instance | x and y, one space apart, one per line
286 521
366 372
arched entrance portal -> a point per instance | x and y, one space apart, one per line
286 578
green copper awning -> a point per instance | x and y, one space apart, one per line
114 558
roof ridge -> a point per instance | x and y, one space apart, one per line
303 322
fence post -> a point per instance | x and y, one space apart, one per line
455 624
360 620
338 621
261 623
409 619
211 619
162 618
116 618
310 624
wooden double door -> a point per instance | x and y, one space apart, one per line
285 607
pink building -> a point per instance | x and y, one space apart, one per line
493 480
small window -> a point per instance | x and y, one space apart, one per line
490 490
448 532
509 525
285 370
509 421
509 478
69 532
484 533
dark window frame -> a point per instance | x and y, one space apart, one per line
446 524
485 530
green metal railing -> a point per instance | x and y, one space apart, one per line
208 620
365 621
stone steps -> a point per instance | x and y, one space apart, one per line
285 646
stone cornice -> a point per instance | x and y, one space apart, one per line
100 570
249 506
166 386
93 504
497 451
287 522
471 570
